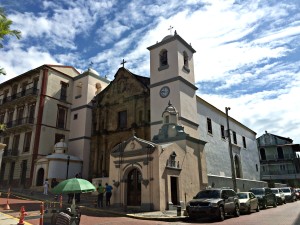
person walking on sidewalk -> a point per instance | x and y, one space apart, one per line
46 186
108 190
101 191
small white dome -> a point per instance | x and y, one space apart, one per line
90 70
167 37
171 109
60 147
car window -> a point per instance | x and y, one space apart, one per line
242 195
275 191
251 195
225 193
257 191
286 190
208 194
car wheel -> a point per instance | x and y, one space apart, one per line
264 206
191 218
249 210
237 210
284 202
221 214
274 203
257 208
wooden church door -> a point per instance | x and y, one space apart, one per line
134 188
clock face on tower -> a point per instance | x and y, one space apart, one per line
164 91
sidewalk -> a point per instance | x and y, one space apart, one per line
8 220
88 202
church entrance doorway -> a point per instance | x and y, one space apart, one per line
174 191
134 188
40 177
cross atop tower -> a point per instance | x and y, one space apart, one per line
91 64
123 62
170 29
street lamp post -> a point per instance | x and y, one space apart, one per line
230 150
68 162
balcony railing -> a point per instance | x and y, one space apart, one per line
279 172
10 152
30 91
18 122
172 164
276 158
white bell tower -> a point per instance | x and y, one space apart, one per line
172 79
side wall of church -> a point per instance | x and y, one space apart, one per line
217 149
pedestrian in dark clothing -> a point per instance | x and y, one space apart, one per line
77 195
101 191
54 182
70 197
108 190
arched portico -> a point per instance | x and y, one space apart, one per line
134 187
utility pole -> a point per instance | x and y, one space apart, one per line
68 162
230 151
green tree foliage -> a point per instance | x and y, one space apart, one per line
5 30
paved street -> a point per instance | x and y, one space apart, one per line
288 214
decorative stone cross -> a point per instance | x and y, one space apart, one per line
123 62
91 64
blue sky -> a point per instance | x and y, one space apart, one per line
248 52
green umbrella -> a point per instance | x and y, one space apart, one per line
73 185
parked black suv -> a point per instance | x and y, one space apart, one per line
214 202
265 197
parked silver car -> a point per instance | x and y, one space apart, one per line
248 202
279 195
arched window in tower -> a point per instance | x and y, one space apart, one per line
163 57
185 59
186 62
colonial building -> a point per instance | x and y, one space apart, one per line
186 149
41 107
279 159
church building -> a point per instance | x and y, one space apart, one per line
158 143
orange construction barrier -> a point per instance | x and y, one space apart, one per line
6 207
42 214
22 216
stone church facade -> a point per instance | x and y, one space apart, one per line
158 143
123 106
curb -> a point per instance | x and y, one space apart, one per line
114 213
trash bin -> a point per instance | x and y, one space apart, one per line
178 210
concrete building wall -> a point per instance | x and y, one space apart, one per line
217 149
242 184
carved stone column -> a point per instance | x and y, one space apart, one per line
2 146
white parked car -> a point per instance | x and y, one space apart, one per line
248 202
289 193
279 195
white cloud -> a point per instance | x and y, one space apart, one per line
246 49
18 61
